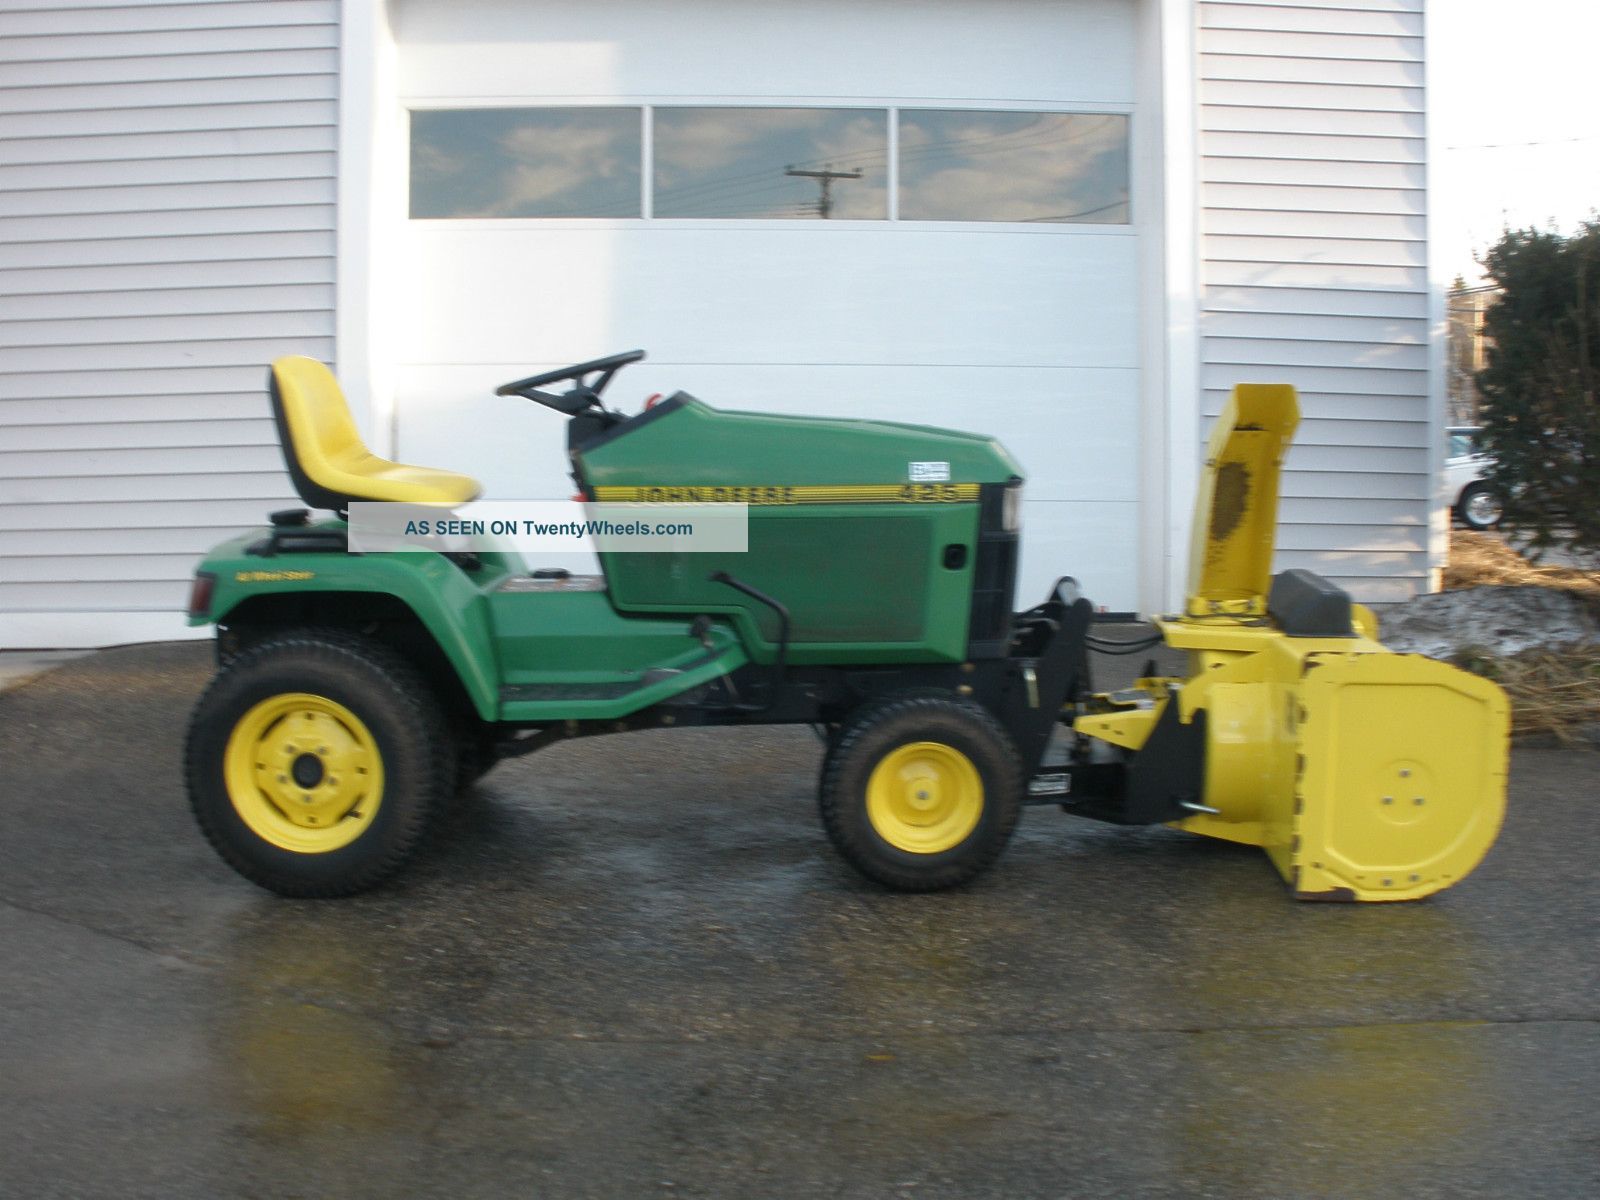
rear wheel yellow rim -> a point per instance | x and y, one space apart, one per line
304 773
924 797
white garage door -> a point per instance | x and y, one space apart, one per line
913 212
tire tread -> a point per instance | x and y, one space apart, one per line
857 845
405 686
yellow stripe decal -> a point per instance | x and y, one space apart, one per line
864 493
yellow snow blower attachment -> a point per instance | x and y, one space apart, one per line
1364 774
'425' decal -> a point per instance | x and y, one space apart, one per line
934 493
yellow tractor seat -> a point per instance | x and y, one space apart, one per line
329 463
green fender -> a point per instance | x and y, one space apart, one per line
450 605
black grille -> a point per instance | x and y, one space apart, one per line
994 577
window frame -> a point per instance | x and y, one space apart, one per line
893 222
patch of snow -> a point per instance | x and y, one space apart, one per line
1501 620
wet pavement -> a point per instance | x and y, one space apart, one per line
632 967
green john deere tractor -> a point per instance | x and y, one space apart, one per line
874 601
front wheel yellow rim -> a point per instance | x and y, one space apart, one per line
304 773
924 797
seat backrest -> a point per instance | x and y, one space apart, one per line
314 427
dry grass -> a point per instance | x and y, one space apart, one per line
1478 559
1553 693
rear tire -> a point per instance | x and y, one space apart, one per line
315 762
921 793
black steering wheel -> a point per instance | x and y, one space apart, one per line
584 394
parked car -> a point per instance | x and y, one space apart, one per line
1475 501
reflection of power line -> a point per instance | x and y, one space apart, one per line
918 162
971 146
1083 212
773 189
1028 137
824 178
1042 131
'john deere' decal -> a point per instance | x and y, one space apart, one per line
290 576
865 493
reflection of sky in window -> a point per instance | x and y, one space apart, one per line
732 162
525 162
1009 166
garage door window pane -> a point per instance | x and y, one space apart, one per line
525 162
1013 166
771 163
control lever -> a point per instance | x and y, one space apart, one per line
700 630
780 660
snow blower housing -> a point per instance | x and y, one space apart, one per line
875 603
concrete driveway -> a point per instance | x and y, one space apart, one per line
632 967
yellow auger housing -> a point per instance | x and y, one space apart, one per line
1364 774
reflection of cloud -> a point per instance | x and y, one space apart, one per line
558 168
712 138
702 139
1013 167
429 158
539 162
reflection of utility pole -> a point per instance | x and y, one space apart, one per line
824 178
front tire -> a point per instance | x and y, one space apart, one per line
315 762
921 793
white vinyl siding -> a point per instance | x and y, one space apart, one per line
167 185
1314 267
